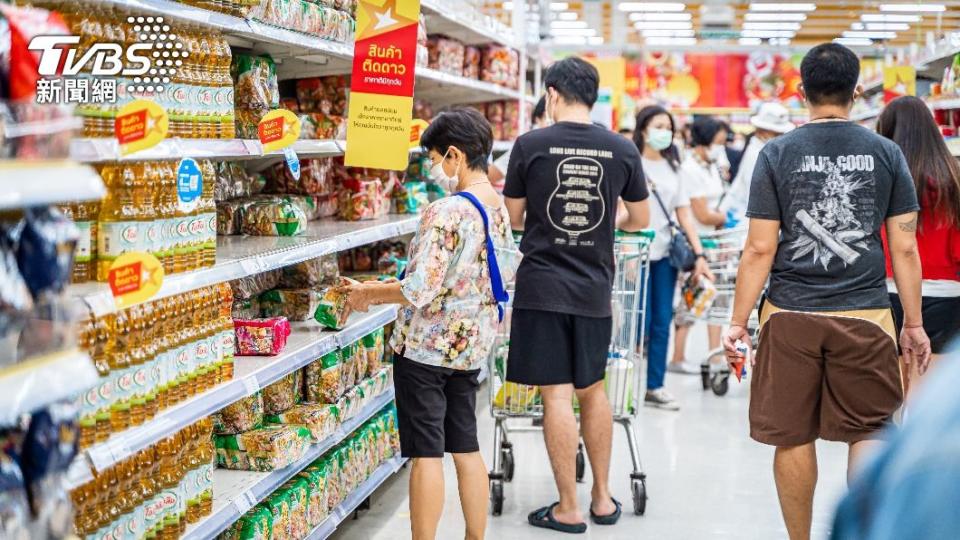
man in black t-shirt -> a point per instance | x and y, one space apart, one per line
826 364
568 179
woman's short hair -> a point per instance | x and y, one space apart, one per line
704 129
465 128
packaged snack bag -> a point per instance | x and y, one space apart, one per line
332 311
240 416
246 308
698 295
445 54
273 218
348 356
251 286
471 62
500 65
266 448
515 396
324 381
298 491
278 503
316 272
281 395
319 418
373 351
256 524
315 477
294 304
261 337
255 91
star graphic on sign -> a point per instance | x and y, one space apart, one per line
153 122
380 19
385 19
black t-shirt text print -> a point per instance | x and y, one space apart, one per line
571 175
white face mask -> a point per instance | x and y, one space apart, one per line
446 183
738 145
717 152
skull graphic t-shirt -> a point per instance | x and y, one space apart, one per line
571 175
832 185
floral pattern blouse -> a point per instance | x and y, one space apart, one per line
453 319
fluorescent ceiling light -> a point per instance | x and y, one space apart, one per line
569 24
780 42
660 17
567 16
573 32
858 26
771 26
880 17
854 42
559 6
762 6
895 27
869 35
767 33
750 41
914 8
670 41
570 40
775 17
666 25
669 33
651 6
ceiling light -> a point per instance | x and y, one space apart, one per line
780 42
775 17
669 33
573 32
771 26
651 6
660 16
670 41
767 33
870 35
896 27
755 6
570 40
750 41
569 24
559 6
595 40
914 8
666 25
858 26
567 16
854 42
880 17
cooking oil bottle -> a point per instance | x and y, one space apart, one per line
118 224
225 128
227 340
167 213
120 372
151 349
103 330
192 479
89 401
208 212
149 491
138 368
207 464
84 216
169 482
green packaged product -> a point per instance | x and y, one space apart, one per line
273 218
320 419
332 312
294 304
268 448
330 465
315 475
348 356
373 350
281 395
242 415
278 503
324 379
298 491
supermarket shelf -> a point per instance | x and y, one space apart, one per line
443 88
307 342
28 183
29 385
235 492
945 103
93 150
357 496
239 256
866 114
465 23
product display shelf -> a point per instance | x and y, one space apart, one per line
36 183
93 150
465 23
33 383
945 103
442 89
239 256
357 496
307 342
235 492
866 114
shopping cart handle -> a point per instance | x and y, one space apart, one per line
517 235
645 233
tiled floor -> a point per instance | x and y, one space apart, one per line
706 478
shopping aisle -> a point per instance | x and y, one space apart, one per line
706 478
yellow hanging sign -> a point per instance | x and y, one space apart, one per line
139 125
134 278
899 81
278 129
417 127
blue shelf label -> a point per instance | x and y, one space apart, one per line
189 184
293 162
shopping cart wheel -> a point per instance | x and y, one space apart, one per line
639 489
496 497
581 463
705 375
506 459
720 383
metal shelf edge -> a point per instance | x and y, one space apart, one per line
29 385
47 182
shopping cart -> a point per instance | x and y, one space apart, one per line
722 250
510 401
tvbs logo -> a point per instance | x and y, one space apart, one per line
157 53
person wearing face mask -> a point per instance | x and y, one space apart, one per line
450 301
654 137
705 187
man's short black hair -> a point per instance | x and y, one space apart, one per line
704 129
539 110
830 73
575 79
465 128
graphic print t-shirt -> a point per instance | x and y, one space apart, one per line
571 175
831 185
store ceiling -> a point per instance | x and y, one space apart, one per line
726 23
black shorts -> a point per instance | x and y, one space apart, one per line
436 409
557 348
940 320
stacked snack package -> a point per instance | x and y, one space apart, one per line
364 193
266 448
423 53
261 337
322 104
323 19
471 62
446 54
500 65
256 92
376 261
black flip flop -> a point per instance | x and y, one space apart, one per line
544 519
609 519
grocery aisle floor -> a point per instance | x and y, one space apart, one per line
706 478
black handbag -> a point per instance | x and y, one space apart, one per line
680 254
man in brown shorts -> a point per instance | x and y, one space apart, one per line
826 366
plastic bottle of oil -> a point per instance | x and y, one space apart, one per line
192 479
208 213
89 402
84 216
138 366
104 327
113 501
167 210
181 472
149 491
227 339
169 482
119 224
186 354
129 500
120 370
225 128
207 464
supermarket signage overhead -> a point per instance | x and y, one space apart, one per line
107 72
134 278
899 81
381 93
139 125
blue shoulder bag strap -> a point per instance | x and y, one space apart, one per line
496 281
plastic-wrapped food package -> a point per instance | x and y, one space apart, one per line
245 308
298 489
314 178
239 416
281 395
14 507
230 216
48 449
354 363
316 479
361 199
373 350
332 311
326 95
256 91
255 524
471 62
315 272
294 304
274 218
423 53
322 126
279 505
261 337
16 303
319 418
445 54
330 464
266 448
500 65
323 381
251 286
410 198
